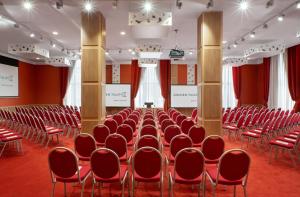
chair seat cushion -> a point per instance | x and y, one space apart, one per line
179 179
84 172
10 138
282 144
292 135
116 178
54 131
287 139
251 134
139 178
212 171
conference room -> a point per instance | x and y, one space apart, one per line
149 98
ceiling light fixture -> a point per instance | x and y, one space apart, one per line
88 6
115 4
123 33
252 34
224 41
178 4
298 34
235 44
147 6
280 18
53 45
27 4
244 5
191 52
55 33
37 58
210 4
106 53
270 3
133 53
298 5
129 50
243 39
32 35
265 26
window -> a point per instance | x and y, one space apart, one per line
73 94
149 88
228 97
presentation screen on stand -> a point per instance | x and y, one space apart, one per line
117 95
9 81
184 96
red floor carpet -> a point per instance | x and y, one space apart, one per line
28 175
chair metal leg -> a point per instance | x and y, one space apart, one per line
93 187
213 190
234 190
65 189
3 149
132 186
123 185
82 188
245 191
53 189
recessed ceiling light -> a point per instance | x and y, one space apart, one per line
123 33
129 50
298 35
27 5
252 35
133 53
55 33
244 5
234 45
224 41
106 53
37 58
191 52
88 6
280 18
298 5
53 45
148 6
32 35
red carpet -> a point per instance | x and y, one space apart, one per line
28 175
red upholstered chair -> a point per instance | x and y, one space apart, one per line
64 168
175 115
235 129
178 143
194 114
232 170
132 124
213 148
197 134
106 168
118 118
111 124
84 145
126 131
147 165
147 140
100 133
149 122
8 136
148 130
148 116
123 114
186 124
118 144
134 117
165 123
170 132
188 169
180 119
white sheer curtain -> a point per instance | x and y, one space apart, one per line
279 95
73 94
149 89
228 97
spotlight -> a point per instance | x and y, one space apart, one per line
59 4
133 53
243 39
210 4
298 5
270 3
55 33
235 44
129 50
280 18
53 45
178 4
252 34
37 58
148 6
88 6
228 48
106 53
265 26
298 35
27 5
224 41
32 35
123 33
191 53
115 4
244 5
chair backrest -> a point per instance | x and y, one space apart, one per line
178 143
147 140
131 123
247 120
189 164
240 121
165 123
117 143
148 122
148 130
175 115
194 113
111 124
234 165
62 163
170 132
197 134
100 133
147 162
148 116
123 114
224 117
118 118
84 144
105 164
213 147
186 124
162 118
134 117
126 131
180 119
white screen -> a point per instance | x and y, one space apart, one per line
184 96
117 95
9 81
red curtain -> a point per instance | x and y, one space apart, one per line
236 76
64 82
135 80
165 81
266 78
294 75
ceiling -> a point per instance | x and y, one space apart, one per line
45 18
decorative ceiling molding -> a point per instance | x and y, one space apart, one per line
236 61
148 48
271 49
28 50
59 62
148 62
158 18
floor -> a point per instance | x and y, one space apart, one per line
28 175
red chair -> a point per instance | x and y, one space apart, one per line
148 140
118 144
118 118
197 134
147 165
135 118
170 132
106 168
162 118
194 114
213 148
123 114
84 145
126 131
64 168
100 133
186 124
165 123
232 170
111 124
8 136
132 124
148 116
180 119
149 122
149 130
178 143
188 169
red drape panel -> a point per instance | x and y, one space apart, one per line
266 77
236 76
135 80
165 81
294 75
64 81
